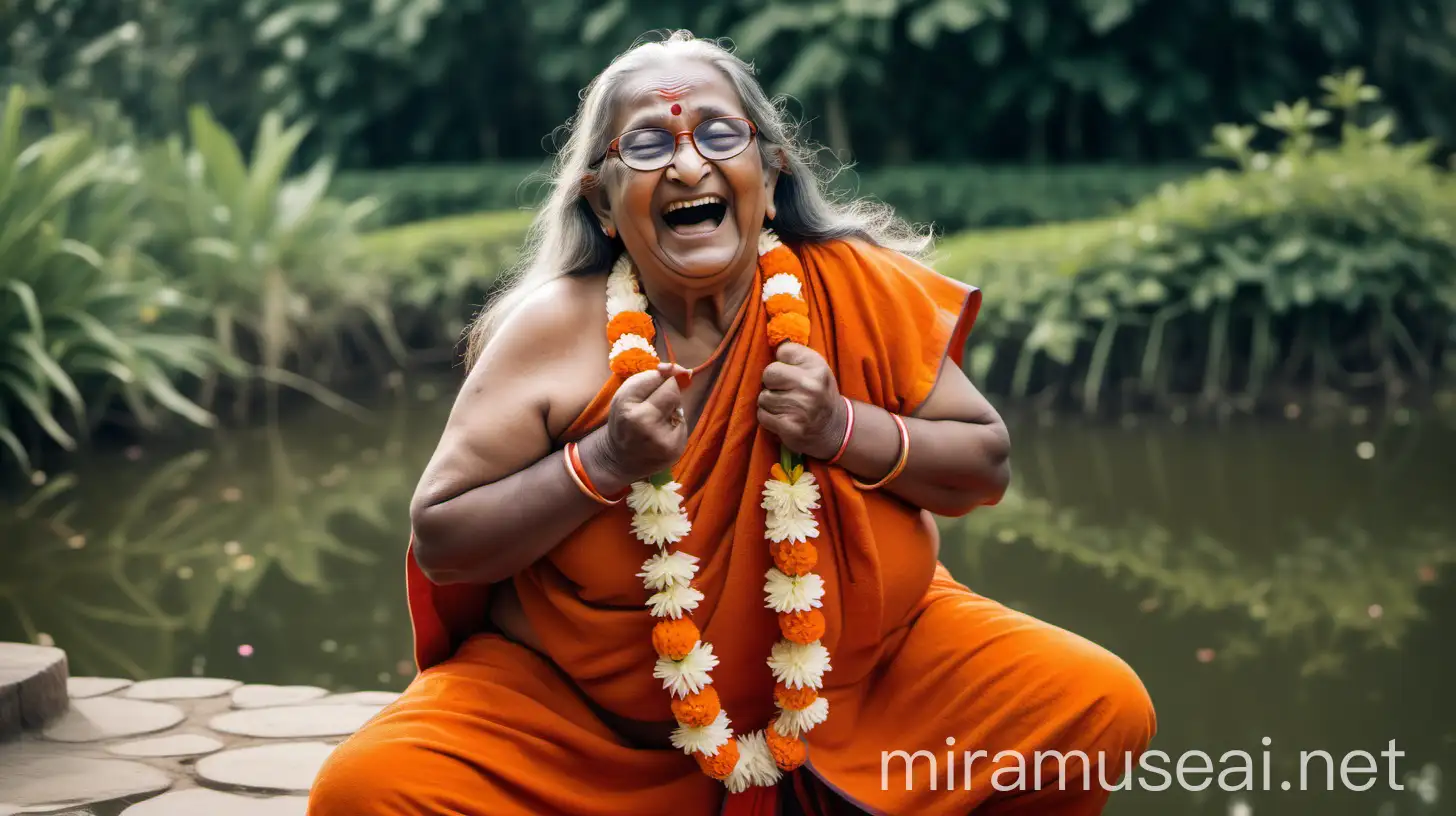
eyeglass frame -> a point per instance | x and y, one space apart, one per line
615 146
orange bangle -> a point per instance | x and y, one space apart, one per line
583 481
848 431
899 464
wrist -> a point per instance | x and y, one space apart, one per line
838 430
604 466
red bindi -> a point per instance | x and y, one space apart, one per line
676 109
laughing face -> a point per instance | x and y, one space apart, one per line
689 218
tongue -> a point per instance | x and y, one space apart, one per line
698 228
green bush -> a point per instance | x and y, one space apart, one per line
952 197
439 272
85 315
423 193
1312 266
273 256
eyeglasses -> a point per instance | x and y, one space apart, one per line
647 149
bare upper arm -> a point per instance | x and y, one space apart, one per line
955 397
538 361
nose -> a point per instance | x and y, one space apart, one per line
688 166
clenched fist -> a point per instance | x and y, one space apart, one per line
645 429
800 402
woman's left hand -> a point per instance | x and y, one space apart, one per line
800 402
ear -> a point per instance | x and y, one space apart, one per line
771 182
596 197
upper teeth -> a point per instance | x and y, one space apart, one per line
678 205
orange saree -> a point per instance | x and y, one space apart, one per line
919 662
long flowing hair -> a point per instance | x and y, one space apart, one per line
565 237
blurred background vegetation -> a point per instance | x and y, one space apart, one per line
1213 202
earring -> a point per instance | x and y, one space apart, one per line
610 232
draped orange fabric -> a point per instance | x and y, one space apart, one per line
918 660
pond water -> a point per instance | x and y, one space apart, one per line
1289 580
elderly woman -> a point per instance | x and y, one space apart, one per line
674 553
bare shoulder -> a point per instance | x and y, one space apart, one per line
552 349
542 366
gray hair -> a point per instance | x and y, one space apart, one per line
565 237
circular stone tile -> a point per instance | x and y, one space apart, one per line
100 718
369 698
288 767
216 803
56 783
261 696
181 688
294 722
179 745
82 687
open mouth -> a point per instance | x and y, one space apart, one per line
697 216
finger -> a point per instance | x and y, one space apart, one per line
637 387
776 402
794 354
666 399
782 377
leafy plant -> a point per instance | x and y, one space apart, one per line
84 315
272 254
1329 265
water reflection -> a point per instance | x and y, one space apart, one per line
1287 581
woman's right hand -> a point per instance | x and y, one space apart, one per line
645 432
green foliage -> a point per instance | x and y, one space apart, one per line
952 197
1324 265
429 192
439 272
395 82
85 315
273 255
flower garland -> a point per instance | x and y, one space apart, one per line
791 589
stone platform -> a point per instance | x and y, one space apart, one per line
169 747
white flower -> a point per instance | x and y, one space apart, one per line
703 739
661 528
673 600
689 675
782 284
797 665
755 764
668 569
629 341
796 527
647 497
793 722
782 498
622 280
628 303
793 593
767 241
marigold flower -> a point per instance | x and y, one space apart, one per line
784 304
793 699
674 638
790 327
638 323
633 361
779 262
802 627
794 559
721 764
788 752
697 709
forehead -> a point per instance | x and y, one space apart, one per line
649 92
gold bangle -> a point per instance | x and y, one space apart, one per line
899 464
